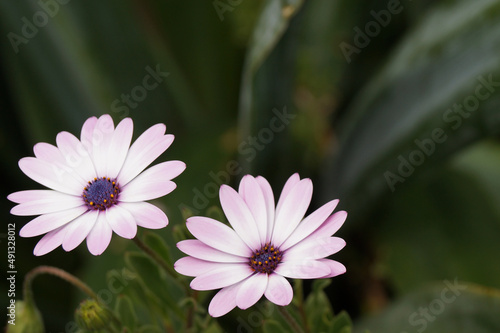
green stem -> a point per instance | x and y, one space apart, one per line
300 296
289 319
28 281
159 260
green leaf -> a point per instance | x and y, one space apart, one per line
271 25
342 323
448 306
158 244
448 59
455 213
318 308
272 326
126 313
154 281
149 329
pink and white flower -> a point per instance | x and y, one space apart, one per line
265 245
96 185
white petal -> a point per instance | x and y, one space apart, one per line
101 140
279 291
251 291
100 236
293 208
141 189
290 183
121 221
51 175
87 133
330 226
251 192
146 215
50 241
190 266
48 222
269 199
200 250
239 216
76 156
118 147
302 269
224 301
310 224
151 144
78 230
223 276
31 195
49 202
315 248
217 235
336 268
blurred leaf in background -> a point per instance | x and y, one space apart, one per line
391 106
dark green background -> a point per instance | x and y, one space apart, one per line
353 120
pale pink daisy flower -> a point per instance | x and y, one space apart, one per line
96 185
265 245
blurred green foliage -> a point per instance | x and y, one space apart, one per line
391 106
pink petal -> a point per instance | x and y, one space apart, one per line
252 195
310 224
290 183
222 276
190 266
224 301
49 153
146 215
200 250
151 144
51 175
336 268
76 156
331 225
239 216
49 202
303 269
315 248
118 147
48 222
269 200
163 171
101 140
50 241
279 291
144 188
31 195
121 221
293 208
154 182
99 237
217 235
87 133
78 230
251 290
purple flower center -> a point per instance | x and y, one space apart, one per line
101 193
266 259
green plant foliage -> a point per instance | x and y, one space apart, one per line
443 307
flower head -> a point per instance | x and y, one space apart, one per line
97 185
265 245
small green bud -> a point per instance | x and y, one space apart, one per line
23 317
91 315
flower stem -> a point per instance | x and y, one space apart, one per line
289 319
28 280
159 260
300 296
